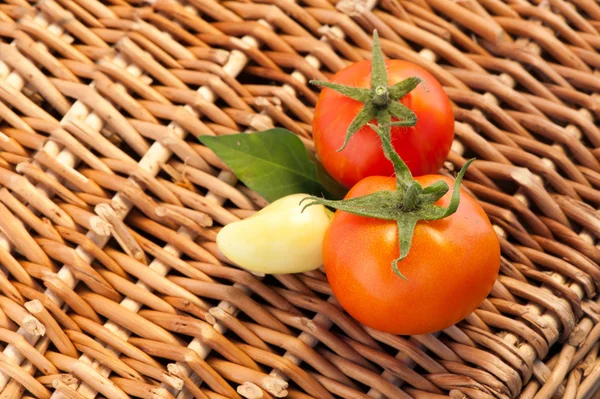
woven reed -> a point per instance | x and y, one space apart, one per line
107 198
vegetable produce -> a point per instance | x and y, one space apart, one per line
366 250
449 271
424 122
278 239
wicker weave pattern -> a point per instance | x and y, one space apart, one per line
100 105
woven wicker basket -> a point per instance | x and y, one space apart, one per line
112 285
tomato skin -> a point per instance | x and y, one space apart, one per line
423 147
451 268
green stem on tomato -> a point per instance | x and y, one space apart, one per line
410 202
381 96
378 100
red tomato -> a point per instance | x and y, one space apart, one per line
423 147
451 267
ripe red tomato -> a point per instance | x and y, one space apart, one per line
423 147
451 267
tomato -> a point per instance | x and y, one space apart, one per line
451 267
423 147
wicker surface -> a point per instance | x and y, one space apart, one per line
107 198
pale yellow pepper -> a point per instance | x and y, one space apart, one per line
279 239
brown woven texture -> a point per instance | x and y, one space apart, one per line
112 285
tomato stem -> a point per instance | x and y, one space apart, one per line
410 202
381 99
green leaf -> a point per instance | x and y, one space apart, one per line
274 163
334 189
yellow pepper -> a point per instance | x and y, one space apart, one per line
279 239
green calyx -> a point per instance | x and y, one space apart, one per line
381 100
407 205
410 202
